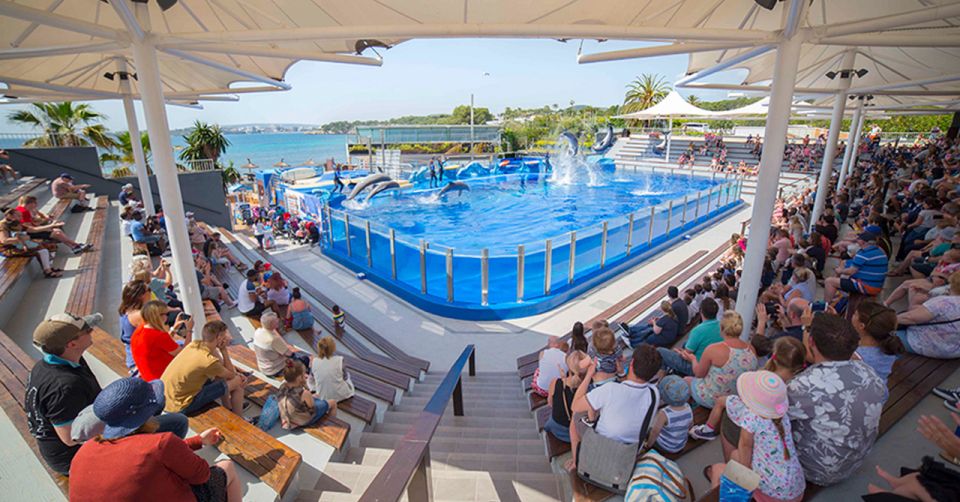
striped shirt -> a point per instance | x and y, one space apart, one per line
673 435
871 263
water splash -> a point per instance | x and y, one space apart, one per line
570 168
356 204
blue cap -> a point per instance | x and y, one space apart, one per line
873 229
674 390
126 404
66 175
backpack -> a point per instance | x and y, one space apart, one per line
609 463
656 478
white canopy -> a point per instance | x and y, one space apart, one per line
672 106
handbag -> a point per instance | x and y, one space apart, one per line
656 478
608 463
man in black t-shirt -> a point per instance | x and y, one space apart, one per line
680 308
60 386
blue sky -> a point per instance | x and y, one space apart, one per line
432 76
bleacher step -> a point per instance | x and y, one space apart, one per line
376 457
460 445
518 431
471 411
473 402
469 420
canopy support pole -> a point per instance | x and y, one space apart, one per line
830 149
851 139
151 95
139 158
775 134
666 158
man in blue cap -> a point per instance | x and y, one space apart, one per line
865 273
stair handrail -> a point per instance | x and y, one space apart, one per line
408 468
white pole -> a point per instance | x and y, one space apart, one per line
775 133
854 127
856 140
830 149
140 160
151 95
666 157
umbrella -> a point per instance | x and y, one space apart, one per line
309 163
281 163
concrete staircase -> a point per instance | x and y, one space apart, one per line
494 452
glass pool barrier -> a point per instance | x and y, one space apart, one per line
531 277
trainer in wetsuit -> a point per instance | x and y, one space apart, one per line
337 182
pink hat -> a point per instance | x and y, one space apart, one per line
764 393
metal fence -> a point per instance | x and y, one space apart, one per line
534 269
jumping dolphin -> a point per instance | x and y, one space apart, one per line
459 186
365 182
380 187
607 141
573 144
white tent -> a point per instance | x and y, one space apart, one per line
670 107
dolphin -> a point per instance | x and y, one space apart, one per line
573 144
365 182
606 142
459 186
381 187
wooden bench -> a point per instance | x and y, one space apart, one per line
362 329
12 199
347 339
11 269
256 451
358 406
15 366
82 300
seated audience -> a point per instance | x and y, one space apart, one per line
766 445
609 356
15 242
879 345
134 296
933 328
299 316
202 373
550 366
298 407
660 332
270 348
153 345
835 403
60 386
143 463
864 274
64 189
578 340
705 334
679 306
251 301
668 434
618 404
41 227
328 377
561 396
715 372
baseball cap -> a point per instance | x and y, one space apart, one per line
128 186
126 404
873 229
675 390
61 329
867 236
66 175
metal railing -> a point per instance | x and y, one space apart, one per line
408 468
528 270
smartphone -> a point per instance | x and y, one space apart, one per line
184 316
818 306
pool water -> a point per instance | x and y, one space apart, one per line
517 245
500 212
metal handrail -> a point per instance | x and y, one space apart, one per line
408 468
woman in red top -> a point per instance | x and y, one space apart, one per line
132 462
153 345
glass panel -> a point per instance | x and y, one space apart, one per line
588 251
561 264
617 240
503 279
466 278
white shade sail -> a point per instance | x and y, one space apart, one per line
671 106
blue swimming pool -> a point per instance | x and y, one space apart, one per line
518 244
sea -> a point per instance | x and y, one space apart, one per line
265 150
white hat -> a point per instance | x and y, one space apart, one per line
128 186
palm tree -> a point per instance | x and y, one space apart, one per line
229 175
644 92
694 100
204 141
64 124
123 152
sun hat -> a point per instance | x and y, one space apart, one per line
126 404
128 186
675 390
61 329
764 393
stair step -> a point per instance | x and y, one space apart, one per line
515 401
481 378
460 445
474 421
347 482
470 410
377 457
521 430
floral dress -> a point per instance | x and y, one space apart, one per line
722 380
780 478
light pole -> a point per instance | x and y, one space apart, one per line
471 127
